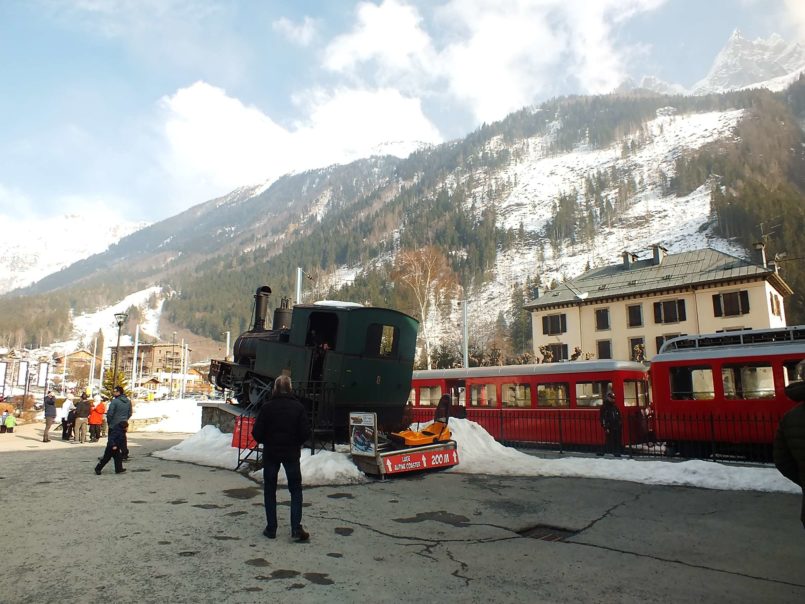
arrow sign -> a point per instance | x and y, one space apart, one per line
388 464
424 461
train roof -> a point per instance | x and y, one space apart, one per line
745 342
796 348
339 306
564 367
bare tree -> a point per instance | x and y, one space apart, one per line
426 272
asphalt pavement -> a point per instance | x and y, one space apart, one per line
169 531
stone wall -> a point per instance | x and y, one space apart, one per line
220 415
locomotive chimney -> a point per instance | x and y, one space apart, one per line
261 307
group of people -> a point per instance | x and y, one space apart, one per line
95 415
80 422
7 422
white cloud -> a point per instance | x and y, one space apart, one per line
795 12
491 57
215 143
298 33
390 34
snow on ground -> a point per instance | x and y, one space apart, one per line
479 453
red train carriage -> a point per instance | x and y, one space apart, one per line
549 403
725 388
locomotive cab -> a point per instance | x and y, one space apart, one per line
343 355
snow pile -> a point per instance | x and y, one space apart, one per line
207 447
479 453
180 415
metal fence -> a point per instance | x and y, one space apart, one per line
739 438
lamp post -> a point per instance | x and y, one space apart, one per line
120 318
173 359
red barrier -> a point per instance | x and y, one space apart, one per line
242 436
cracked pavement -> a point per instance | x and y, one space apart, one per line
174 532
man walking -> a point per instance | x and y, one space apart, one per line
119 411
50 415
282 427
789 442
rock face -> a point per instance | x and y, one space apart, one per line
744 63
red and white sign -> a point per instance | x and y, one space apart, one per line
420 460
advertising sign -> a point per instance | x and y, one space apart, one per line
22 373
363 434
422 460
42 375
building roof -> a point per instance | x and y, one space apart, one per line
697 268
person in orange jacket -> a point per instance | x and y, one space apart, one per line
96 416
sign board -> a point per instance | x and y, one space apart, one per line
422 460
363 434
42 375
3 369
22 373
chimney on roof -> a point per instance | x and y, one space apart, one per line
658 254
760 246
628 260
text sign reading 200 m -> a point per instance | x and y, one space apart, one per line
409 462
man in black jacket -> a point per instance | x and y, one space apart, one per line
789 442
282 427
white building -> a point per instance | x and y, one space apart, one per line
611 312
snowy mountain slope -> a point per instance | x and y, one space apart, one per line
87 326
746 63
33 249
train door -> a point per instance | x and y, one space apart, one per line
321 337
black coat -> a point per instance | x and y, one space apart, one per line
282 427
610 416
789 448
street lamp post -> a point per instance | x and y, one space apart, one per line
120 318
173 360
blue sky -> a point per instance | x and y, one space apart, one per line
144 108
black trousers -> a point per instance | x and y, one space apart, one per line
111 453
612 443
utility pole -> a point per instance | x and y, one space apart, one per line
173 361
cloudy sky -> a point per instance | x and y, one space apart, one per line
147 107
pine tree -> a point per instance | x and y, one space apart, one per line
108 384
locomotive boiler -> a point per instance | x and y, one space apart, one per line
340 356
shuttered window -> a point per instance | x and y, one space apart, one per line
731 304
669 311
554 324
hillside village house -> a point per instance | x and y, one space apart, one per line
159 369
613 311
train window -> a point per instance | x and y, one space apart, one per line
429 396
794 371
322 330
692 383
516 395
591 394
412 397
750 381
381 340
635 393
553 395
483 395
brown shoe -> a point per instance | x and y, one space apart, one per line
300 534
